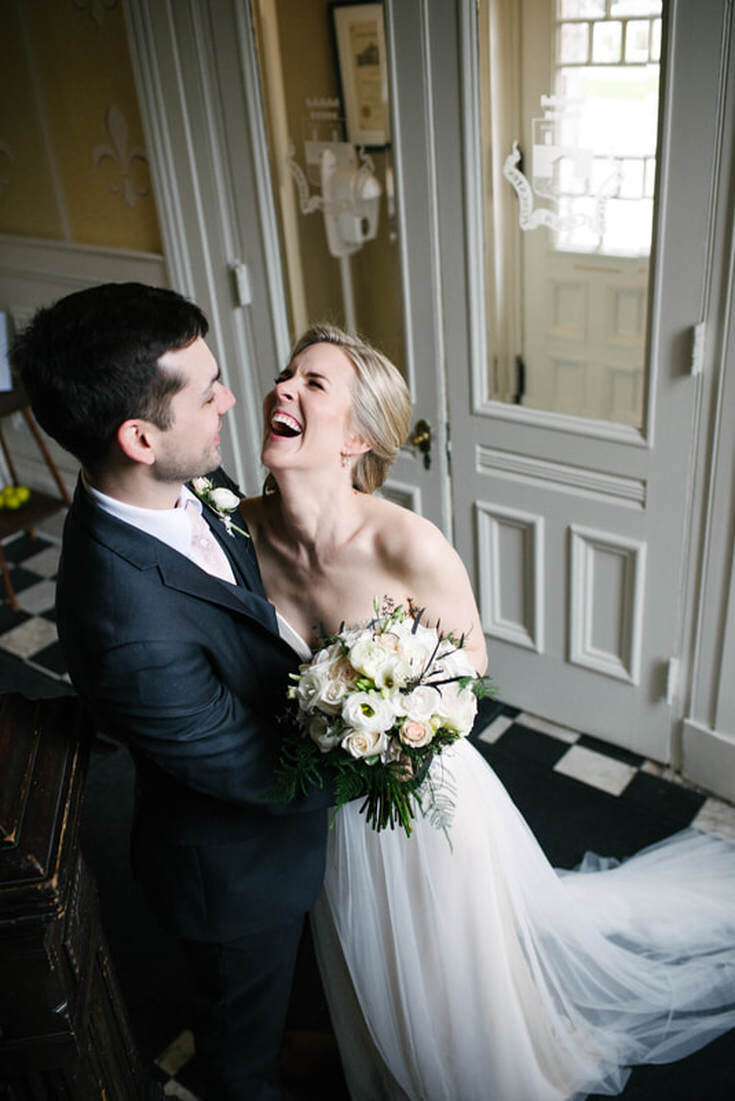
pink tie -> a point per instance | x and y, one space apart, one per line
205 550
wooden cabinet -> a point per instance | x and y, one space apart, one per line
64 1032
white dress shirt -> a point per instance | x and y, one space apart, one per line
170 525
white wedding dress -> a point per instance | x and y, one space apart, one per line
477 972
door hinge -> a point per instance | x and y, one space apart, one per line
672 679
448 448
243 292
697 363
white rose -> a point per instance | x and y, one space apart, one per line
332 694
368 712
367 657
457 708
365 743
223 499
311 686
421 703
200 485
321 734
327 654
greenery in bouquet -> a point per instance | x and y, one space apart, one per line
372 708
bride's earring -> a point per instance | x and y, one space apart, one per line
344 459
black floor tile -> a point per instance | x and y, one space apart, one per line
22 579
23 546
9 618
18 676
51 657
669 802
526 743
609 750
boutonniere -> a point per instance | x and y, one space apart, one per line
221 500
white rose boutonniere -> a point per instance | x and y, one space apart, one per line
221 500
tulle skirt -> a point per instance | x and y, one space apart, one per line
473 970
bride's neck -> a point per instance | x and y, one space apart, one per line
317 517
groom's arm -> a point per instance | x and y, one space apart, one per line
165 699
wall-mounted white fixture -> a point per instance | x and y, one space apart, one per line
349 202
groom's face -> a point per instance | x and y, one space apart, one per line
190 446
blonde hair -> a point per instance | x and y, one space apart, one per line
381 411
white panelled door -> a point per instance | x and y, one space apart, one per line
575 527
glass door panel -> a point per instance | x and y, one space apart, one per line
569 165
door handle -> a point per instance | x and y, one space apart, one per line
421 439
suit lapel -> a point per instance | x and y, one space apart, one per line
176 570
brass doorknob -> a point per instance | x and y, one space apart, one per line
421 438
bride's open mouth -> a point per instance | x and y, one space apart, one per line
284 425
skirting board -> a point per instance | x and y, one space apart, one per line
709 759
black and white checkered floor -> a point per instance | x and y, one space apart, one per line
576 792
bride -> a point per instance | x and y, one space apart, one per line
468 969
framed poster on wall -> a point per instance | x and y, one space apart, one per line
359 33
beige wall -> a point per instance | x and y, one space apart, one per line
72 163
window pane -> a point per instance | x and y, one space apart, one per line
574 43
607 40
637 35
573 9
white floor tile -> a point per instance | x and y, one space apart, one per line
28 638
595 769
544 726
178 1052
716 817
496 728
37 598
45 563
175 1089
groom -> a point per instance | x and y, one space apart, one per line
171 642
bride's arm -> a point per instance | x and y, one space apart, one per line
436 578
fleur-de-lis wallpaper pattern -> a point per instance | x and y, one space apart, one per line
73 164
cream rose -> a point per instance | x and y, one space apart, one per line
416 734
365 743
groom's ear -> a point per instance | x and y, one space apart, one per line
134 440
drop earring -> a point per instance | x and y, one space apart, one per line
345 459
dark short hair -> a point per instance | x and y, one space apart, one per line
90 362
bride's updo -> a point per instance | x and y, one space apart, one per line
381 411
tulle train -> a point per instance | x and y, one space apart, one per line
477 971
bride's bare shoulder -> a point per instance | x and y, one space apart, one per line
402 537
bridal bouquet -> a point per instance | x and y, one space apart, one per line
373 707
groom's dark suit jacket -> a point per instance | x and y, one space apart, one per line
191 674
